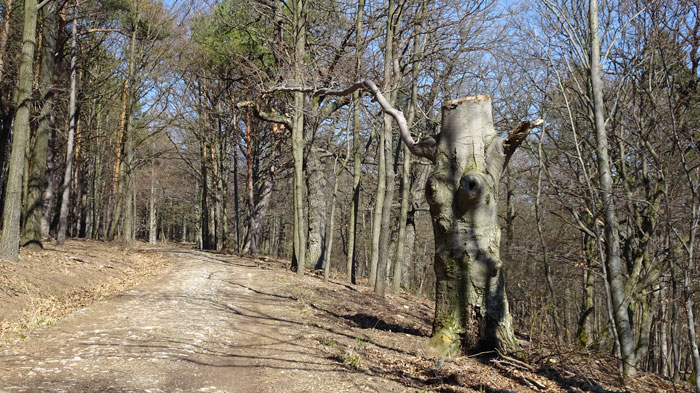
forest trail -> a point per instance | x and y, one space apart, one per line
206 324
200 322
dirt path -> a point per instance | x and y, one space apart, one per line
206 324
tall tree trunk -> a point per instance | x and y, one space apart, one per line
220 155
97 182
299 18
378 209
251 244
48 195
152 222
205 241
9 239
235 196
391 80
331 224
33 206
664 366
351 263
119 195
615 270
67 178
402 263
543 246
331 227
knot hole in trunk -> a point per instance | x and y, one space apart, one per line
471 188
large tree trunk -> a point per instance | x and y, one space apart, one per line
471 311
33 207
9 240
615 270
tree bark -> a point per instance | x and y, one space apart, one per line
356 166
152 222
316 185
48 195
9 239
391 80
33 206
402 263
378 209
67 178
119 194
251 245
471 306
583 333
235 196
331 223
615 270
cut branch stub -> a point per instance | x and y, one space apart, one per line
462 191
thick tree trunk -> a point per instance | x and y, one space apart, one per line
615 270
9 239
471 307
67 178
33 207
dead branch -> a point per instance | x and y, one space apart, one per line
90 263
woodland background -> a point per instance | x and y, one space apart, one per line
179 122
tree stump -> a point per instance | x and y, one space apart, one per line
471 306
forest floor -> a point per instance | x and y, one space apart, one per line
93 317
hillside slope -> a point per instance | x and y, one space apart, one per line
182 320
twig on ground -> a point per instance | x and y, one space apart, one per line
90 263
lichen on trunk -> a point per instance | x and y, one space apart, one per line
471 306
